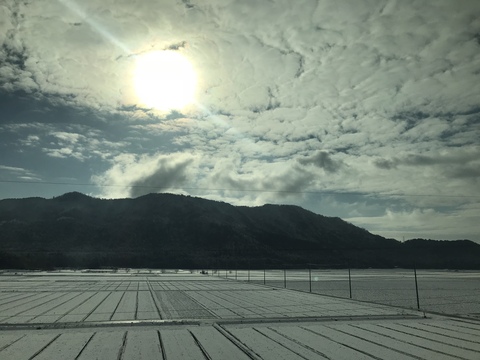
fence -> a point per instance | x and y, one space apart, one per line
448 292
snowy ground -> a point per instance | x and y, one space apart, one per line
448 292
154 315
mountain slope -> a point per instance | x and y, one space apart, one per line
165 230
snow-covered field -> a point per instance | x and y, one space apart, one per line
33 298
154 315
449 292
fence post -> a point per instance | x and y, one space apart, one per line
416 286
285 278
264 282
310 278
349 282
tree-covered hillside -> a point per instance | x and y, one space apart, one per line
175 231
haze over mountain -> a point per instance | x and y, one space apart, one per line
172 231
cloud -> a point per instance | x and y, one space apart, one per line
132 175
278 54
458 223
374 98
31 140
322 160
454 163
255 184
385 163
68 137
167 174
12 173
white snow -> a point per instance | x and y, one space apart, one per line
136 315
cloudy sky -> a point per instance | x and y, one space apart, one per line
368 110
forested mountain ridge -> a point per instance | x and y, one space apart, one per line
166 230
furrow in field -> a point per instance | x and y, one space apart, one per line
32 315
177 305
81 311
447 337
431 342
146 307
268 303
292 345
143 286
238 304
106 308
104 345
16 298
450 326
276 305
133 286
66 346
179 344
293 304
379 350
143 344
62 309
126 307
33 297
264 347
216 306
7 340
5 296
410 345
27 346
155 300
28 308
218 346
323 345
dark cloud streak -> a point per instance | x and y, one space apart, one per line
323 160
167 175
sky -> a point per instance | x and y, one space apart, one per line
367 110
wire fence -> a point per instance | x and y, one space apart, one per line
449 292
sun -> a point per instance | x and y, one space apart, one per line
164 80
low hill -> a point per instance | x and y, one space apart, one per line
176 231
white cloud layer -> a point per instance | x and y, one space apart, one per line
376 100
133 176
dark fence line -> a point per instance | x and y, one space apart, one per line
302 279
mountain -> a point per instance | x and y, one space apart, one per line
176 231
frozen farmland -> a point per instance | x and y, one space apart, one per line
153 315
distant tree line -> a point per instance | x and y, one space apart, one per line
419 253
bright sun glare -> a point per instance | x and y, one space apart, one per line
164 80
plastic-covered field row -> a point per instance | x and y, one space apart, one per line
402 339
